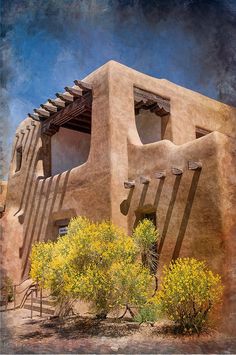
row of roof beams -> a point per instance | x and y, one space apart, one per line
53 106
192 165
143 100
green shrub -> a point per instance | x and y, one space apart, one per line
189 293
146 237
147 313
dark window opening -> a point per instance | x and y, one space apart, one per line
201 132
152 264
18 158
151 115
62 230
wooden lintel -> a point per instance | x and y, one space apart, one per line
65 97
34 116
151 101
144 180
57 103
50 129
176 171
80 123
83 85
160 175
71 111
49 108
194 165
42 113
77 128
129 184
73 91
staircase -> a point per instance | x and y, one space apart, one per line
43 306
27 295
36 302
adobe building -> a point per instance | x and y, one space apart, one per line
121 145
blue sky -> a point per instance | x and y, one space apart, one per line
46 44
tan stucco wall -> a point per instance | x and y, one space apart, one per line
69 149
148 126
195 213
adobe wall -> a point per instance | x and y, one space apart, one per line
36 200
195 212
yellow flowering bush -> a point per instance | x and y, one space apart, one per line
188 293
95 262
41 256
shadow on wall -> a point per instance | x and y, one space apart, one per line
37 223
125 205
186 215
30 176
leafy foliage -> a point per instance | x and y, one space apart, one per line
189 292
146 237
95 262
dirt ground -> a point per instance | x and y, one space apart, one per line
22 335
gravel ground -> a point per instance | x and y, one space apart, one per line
22 335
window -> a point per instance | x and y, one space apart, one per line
18 158
201 132
151 115
62 230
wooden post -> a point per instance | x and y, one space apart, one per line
31 305
41 302
176 171
14 296
160 175
144 180
129 184
194 165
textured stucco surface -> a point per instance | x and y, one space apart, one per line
68 150
195 212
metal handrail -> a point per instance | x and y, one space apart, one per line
31 289
16 285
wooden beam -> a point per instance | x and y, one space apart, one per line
144 180
34 117
84 86
73 91
194 165
160 175
57 103
162 106
42 113
76 128
176 171
71 111
129 184
49 108
65 97
50 129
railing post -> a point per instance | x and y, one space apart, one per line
41 302
31 308
14 296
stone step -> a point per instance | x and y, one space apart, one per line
46 302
